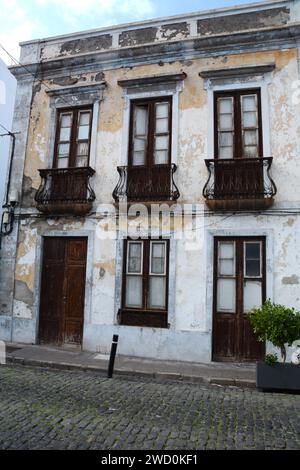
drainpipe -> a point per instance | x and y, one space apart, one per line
8 216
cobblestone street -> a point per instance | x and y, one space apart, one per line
47 409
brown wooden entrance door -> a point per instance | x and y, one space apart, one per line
239 285
63 291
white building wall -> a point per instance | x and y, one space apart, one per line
189 336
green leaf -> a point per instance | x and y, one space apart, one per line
275 323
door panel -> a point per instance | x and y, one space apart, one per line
250 348
63 291
74 307
76 251
51 306
225 331
239 285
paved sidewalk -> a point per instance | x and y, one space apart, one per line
242 375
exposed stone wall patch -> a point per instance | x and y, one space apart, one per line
292 280
243 21
23 293
80 46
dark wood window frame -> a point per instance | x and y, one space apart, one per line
75 111
150 150
236 95
145 316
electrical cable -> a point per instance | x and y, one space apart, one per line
6 130
18 63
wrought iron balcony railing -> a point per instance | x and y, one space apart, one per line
239 183
145 184
65 191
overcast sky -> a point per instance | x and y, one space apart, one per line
22 20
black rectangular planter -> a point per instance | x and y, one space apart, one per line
284 377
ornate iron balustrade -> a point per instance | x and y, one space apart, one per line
143 183
65 191
240 183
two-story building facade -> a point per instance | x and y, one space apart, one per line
198 113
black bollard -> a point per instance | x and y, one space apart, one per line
112 356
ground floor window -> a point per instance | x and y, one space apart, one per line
145 283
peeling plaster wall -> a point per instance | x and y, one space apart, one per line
193 126
209 23
189 337
10 243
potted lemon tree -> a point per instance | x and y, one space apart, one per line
279 325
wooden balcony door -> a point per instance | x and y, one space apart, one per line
150 149
239 143
239 285
72 149
63 291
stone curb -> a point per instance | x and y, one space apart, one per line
224 382
241 383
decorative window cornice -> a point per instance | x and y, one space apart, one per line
237 71
77 93
152 80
